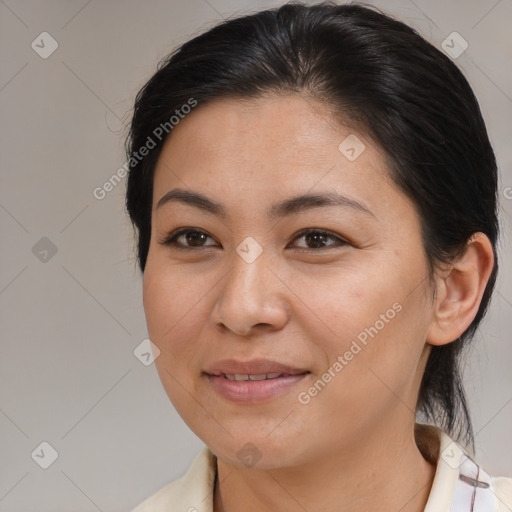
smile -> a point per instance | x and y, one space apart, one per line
262 376
253 388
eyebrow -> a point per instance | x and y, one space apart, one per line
281 209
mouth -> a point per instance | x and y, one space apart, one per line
255 369
253 382
254 388
261 376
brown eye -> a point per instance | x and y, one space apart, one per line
187 238
315 239
318 239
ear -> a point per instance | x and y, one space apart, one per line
459 290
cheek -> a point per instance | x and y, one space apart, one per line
173 305
373 322
173 309
343 300
159 302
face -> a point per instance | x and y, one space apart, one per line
321 302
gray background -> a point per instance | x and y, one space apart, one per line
71 320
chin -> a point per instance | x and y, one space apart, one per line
256 452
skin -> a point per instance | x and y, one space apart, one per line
352 446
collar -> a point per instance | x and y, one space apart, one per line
460 484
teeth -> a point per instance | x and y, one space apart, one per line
261 376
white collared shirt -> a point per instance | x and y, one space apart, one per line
460 485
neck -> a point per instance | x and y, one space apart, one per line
377 469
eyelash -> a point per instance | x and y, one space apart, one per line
170 240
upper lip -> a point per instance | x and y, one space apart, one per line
253 367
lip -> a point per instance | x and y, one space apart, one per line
252 367
252 391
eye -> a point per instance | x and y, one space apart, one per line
190 238
318 239
186 238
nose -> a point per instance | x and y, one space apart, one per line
251 298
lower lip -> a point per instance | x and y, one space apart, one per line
253 391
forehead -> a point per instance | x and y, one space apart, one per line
254 157
263 146
279 125
270 134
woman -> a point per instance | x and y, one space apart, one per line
318 238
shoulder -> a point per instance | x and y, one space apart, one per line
161 499
193 492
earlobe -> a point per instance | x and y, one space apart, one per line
459 290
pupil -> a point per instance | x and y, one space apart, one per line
193 238
316 238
